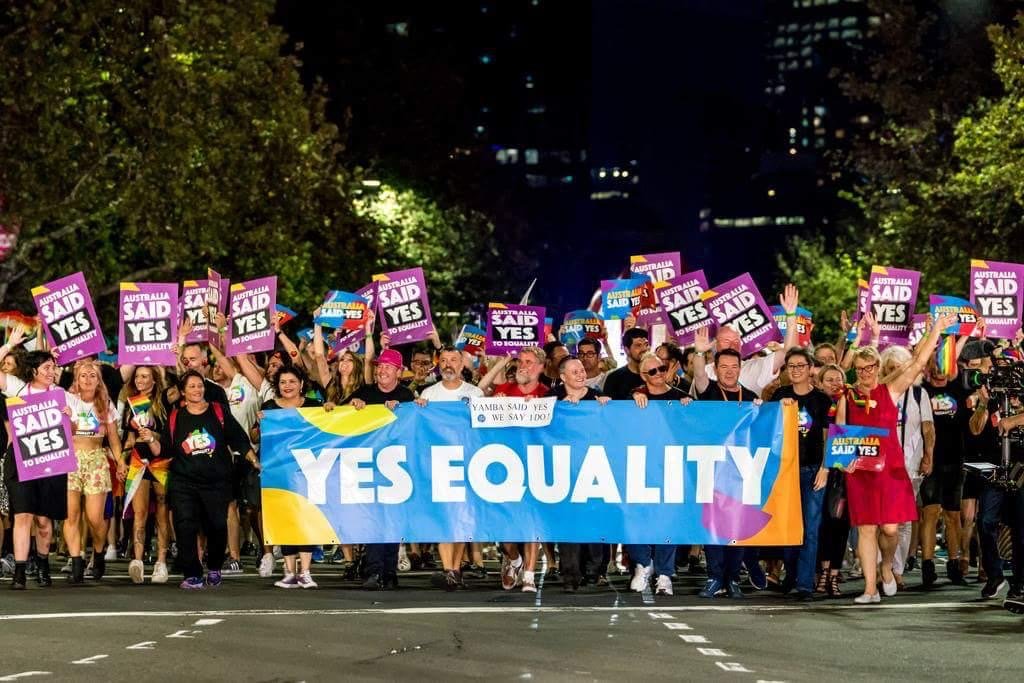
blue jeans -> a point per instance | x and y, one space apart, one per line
664 557
801 561
724 562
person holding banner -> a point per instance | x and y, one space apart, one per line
589 352
37 501
94 418
620 384
199 441
881 501
835 521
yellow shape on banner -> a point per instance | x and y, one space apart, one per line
787 522
347 421
36 291
881 270
494 305
290 519
190 283
129 287
380 277
978 263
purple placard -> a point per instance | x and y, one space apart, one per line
996 293
683 308
216 302
918 326
69 318
738 303
513 326
193 305
351 339
41 434
251 313
147 323
892 294
659 267
402 305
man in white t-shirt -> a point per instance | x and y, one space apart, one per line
451 388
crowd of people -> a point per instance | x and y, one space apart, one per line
142 491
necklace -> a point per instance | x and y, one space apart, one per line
739 394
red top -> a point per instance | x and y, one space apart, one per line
515 390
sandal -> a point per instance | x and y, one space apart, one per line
832 587
822 585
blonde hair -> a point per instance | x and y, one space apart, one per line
867 353
336 393
536 351
894 354
101 401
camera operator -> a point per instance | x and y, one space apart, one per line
996 500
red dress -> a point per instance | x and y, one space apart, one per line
885 497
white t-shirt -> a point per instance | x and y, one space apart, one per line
756 373
266 392
85 421
243 400
917 412
597 381
438 392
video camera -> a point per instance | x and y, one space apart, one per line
1004 381
1003 378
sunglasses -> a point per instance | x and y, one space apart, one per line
656 371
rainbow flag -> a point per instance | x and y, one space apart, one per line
945 355
140 406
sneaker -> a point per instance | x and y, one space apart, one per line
510 574
289 581
993 588
318 555
1014 601
664 586
111 554
174 550
306 581
439 579
337 557
233 567
136 570
735 591
928 574
475 571
7 565
267 565
192 583
866 599
213 579
641 578
66 569
404 564
528 584
695 568
278 555
377 582
712 588
910 565
159 573
758 579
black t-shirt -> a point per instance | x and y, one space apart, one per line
714 392
3 420
591 395
619 384
307 402
951 417
990 444
158 425
673 394
371 394
812 423
200 448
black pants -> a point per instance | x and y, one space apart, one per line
197 509
832 539
997 505
578 559
381 559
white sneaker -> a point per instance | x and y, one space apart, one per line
641 578
529 586
289 581
278 555
267 565
111 554
664 586
404 563
136 570
306 581
866 599
159 573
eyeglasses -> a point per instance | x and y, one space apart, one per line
655 371
422 362
587 354
867 369
797 366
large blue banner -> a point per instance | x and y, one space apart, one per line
708 473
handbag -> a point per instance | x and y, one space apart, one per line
835 495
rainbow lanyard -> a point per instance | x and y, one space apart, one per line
853 394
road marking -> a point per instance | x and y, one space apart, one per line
659 615
207 622
711 652
90 660
26 674
182 634
144 645
733 666
677 626
472 609
687 638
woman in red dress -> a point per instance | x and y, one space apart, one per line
880 501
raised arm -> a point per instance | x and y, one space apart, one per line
903 381
701 345
790 299
252 372
323 370
496 369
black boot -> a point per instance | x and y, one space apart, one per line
928 574
99 565
77 570
19 576
43 575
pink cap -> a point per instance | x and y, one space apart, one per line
390 357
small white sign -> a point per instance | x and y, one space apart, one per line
511 412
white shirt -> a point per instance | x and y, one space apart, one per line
917 412
85 421
243 400
597 381
438 392
756 373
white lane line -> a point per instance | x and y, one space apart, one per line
182 634
659 615
144 645
711 652
677 626
25 674
207 622
734 667
90 660
995 606
687 638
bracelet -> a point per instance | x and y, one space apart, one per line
791 315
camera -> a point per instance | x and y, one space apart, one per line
1003 378
1005 382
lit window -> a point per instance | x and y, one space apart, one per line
851 33
625 174
833 35
539 109
602 173
779 42
820 110
532 157
536 180
480 130
864 118
616 173
808 63
513 155
779 89
567 179
874 21
849 21
840 133
486 59
792 150
833 22
771 193
501 156
806 52
817 121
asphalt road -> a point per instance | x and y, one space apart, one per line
249 630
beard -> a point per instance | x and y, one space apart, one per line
449 374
